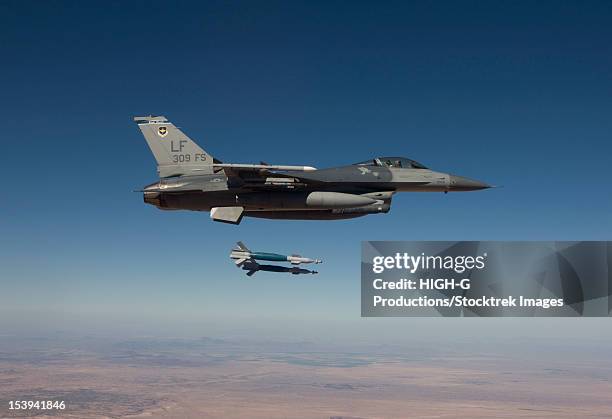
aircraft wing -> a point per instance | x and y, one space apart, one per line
236 170
258 167
266 175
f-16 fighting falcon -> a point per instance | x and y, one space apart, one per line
247 260
191 179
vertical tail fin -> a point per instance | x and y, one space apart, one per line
242 247
176 153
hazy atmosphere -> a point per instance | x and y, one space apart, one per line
120 309
516 94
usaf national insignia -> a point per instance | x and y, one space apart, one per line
162 131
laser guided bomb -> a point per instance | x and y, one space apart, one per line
192 179
247 260
241 254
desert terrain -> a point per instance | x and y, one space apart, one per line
215 378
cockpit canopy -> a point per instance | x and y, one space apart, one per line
397 162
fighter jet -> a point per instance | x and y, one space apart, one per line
191 179
247 260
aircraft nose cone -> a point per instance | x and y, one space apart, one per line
460 183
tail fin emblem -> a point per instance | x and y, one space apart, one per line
162 131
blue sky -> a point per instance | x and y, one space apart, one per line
517 94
